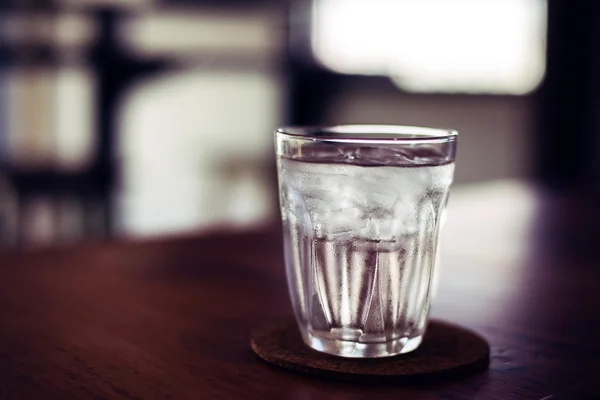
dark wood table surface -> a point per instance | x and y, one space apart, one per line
162 319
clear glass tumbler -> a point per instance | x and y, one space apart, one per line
362 207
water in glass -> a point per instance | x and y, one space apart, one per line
361 227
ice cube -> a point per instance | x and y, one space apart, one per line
336 223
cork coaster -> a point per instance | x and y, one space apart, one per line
447 351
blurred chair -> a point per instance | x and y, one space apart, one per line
55 80
188 150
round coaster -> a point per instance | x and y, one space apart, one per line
447 350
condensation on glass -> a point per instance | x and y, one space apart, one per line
362 207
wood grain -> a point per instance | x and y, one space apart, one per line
171 318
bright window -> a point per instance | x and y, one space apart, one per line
469 46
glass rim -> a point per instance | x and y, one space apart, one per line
370 133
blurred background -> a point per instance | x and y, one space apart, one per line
139 118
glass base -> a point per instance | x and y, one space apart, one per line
350 349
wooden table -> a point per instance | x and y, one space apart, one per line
168 319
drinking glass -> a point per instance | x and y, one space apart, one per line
362 207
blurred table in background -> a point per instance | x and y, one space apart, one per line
171 318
